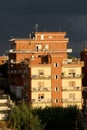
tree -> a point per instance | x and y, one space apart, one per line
4 70
21 118
58 117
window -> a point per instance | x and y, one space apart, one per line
72 72
3 61
56 76
50 37
39 56
56 64
56 100
44 59
57 88
72 96
38 47
46 46
72 83
40 97
41 72
40 84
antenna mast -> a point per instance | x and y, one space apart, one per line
59 28
36 27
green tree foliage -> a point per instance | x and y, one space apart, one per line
4 69
21 118
58 118
49 118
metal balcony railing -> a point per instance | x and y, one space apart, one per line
71 76
41 100
35 51
41 89
66 100
70 88
41 77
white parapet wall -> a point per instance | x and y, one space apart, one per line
3 100
4 108
3 116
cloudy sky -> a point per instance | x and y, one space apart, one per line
18 19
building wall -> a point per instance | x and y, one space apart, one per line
45 51
72 85
84 58
3 59
41 85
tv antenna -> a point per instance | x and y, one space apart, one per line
36 27
30 35
59 28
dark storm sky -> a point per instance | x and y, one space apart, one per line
18 19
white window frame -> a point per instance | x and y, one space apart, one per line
40 97
46 46
56 64
56 76
57 89
57 100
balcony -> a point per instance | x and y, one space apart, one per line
70 88
72 75
40 100
14 61
16 71
72 62
38 51
41 77
41 89
68 100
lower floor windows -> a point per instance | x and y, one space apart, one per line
56 100
40 97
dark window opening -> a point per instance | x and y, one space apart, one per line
45 59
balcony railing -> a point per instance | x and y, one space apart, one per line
14 61
35 51
72 62
41 89
70 88
41 100
66 100
41 77
71 76
16 71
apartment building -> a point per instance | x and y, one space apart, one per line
84 58
36 68
3 59
3 74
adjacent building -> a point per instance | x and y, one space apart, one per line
40 72
3 59
84 58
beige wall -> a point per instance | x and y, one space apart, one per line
65 83
47 70
72 94
47 96
47 83
45 89
78 94
65 70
